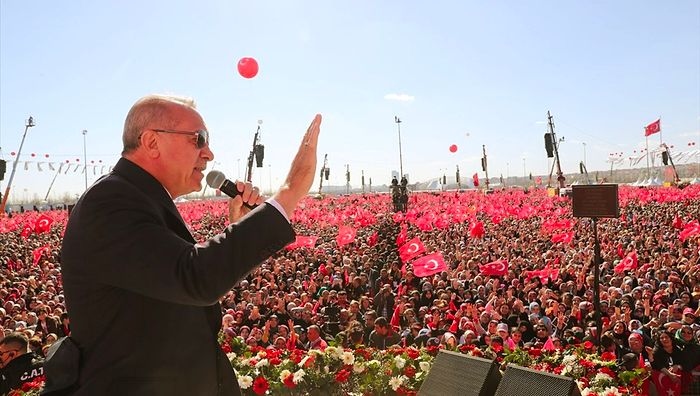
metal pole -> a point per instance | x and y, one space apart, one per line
560 175
584 155
486 166
398 125
596 284
46 198
270 167
85 156
648 171
28 124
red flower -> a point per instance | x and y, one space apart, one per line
588 345
226 348
609 356
413 353
289 381
409 372
260 386
433 350
497 348
275 361
607 371
342 376
534 352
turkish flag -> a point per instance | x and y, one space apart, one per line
428 265
372 240
26 231
628 263
689 230
401 238
538 180
476 230
37 253
496 268
664 385
565 237
677 222
411 249
305 241
43 224
345 235
654 127
620 252
475 178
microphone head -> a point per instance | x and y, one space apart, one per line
215 179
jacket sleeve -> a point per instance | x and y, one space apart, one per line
121 239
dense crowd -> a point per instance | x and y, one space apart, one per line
356 288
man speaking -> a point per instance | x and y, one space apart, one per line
142 295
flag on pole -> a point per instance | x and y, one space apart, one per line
654 127
429 265
475 178
411 249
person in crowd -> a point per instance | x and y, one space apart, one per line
383 335
17 364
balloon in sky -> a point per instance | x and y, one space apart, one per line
248 67
453 148
13 153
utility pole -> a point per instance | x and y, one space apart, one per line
485 166
363 181
347 178
27 125
323 173
398 125
560 175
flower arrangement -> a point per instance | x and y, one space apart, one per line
401 371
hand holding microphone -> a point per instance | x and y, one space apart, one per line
245 196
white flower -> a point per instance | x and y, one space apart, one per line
231 356
400 362
602 377
245 381
374 362
334 352
327 369
284 374
569 359
358 368
586 392
303 361
298 376
425 366
261 363
245 362
395 383
348 358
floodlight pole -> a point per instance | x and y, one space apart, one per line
398 126
27 125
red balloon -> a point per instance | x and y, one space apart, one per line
67 161
453 148
77 160
13 153
248 67
33 155
46 155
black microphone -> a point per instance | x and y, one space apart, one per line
216 179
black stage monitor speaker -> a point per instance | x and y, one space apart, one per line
455 373
519 381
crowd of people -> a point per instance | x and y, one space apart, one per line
362 292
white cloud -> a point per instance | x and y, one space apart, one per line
400 97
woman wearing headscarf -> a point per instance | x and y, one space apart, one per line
689 354
666 357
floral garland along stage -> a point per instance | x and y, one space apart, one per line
401 371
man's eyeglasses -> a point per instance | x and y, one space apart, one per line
201 134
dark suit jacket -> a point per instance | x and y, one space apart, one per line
143 298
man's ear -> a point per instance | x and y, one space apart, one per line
149 141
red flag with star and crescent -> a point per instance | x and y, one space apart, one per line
495 268
303 241
428 265
664 385
26 231
401 238
628 263
565 237
43 224
345 236
654 127
411 249
37 253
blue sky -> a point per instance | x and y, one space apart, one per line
476 73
